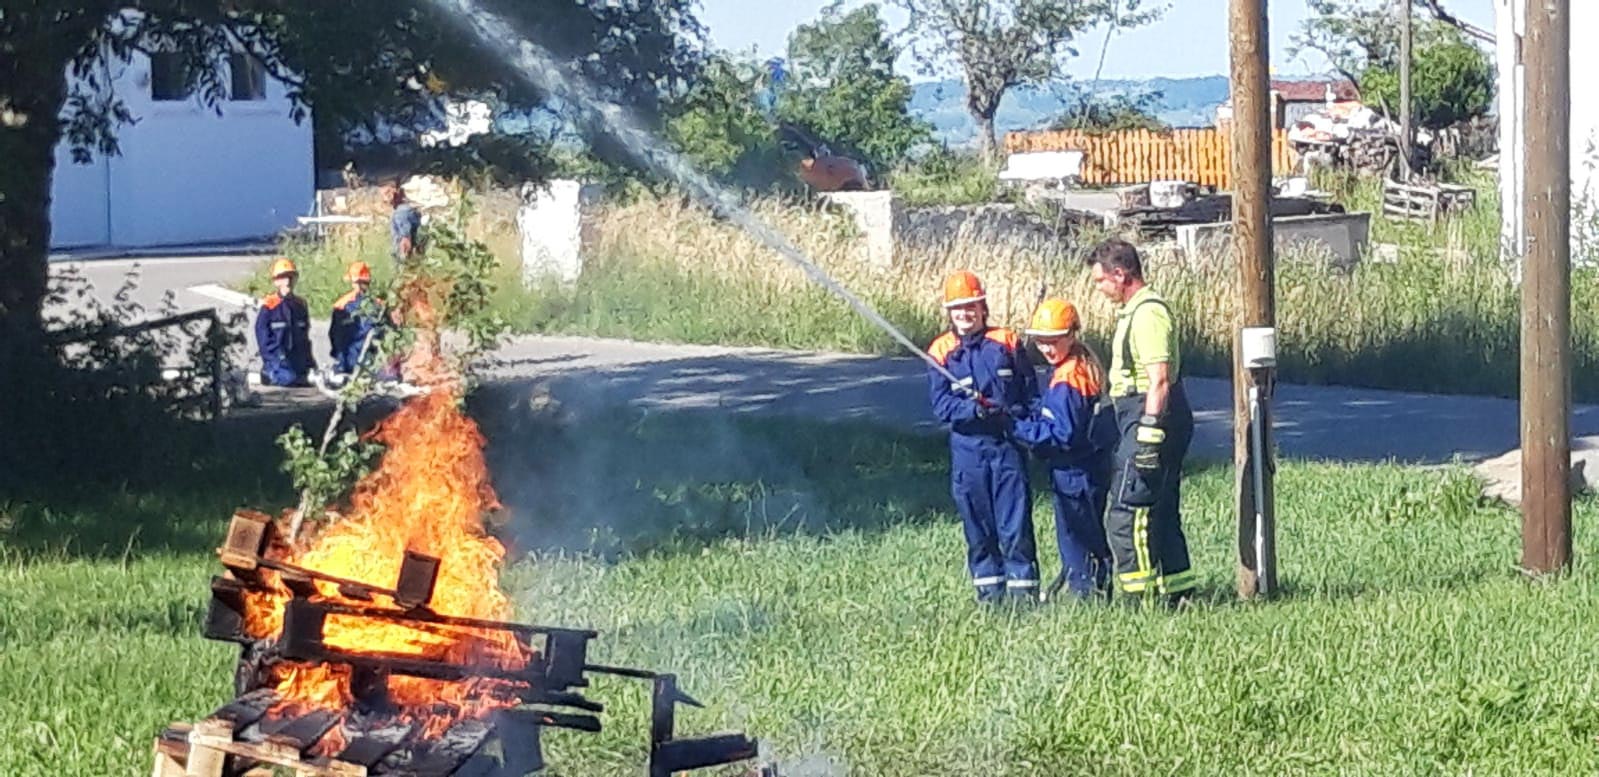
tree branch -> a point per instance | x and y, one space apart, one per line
1436 8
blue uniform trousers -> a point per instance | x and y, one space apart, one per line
994 499
1085 560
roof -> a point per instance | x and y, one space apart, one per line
1315 91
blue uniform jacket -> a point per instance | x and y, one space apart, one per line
348 331
992 361
1059 429
283 333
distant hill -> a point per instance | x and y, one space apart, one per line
1184 102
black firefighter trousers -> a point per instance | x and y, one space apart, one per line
1147 543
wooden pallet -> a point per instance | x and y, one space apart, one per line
218 745
239 739
1425 203
205 750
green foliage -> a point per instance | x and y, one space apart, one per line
1451 81
467 271
106 381
843 88
1112 113
718 127
945 177
354 62
323 476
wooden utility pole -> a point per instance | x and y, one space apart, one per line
1546 292
1405 131
1252 244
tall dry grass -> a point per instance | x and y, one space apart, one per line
1444 316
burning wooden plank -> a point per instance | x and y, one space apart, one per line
300 732
246 709
447 754
374 745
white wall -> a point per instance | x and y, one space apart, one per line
80 207
187 175
1510 26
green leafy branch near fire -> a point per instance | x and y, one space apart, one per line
436 321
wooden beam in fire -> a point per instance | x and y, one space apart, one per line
244 551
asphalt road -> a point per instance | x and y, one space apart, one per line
1318 422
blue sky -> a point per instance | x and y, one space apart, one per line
1190 40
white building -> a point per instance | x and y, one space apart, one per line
185 174
1510 26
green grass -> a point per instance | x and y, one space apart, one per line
946 178
647 300
806 582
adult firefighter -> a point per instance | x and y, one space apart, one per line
1144 519
283 331
988 471
1063 433
350 325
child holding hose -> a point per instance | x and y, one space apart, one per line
986 377
1061 431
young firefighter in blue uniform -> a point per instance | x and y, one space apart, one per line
350 324
988 470
283 331
1061 431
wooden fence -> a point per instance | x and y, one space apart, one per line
1202 156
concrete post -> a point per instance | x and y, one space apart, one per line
551 226
878 215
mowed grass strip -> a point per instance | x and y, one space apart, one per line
1407 643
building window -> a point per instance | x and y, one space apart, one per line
169 77
249 77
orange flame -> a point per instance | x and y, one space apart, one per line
429 494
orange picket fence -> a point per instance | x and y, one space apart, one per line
1202 156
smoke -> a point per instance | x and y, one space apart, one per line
545 72
581 472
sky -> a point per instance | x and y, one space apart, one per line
1190 40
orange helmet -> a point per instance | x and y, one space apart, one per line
962 288
358 272
282 266
1053 318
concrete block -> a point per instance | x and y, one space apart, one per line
1168 194
879 216
1501 476
1345 236
552 226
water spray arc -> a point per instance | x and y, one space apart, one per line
544 72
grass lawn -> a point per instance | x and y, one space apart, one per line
806 582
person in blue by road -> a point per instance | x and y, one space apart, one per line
404 225
350 324
283 331
1063 433
988 469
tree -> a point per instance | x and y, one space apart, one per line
842 88
1096 113
1451 79
719 127
1000 44
351 61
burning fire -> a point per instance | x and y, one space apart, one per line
429 494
